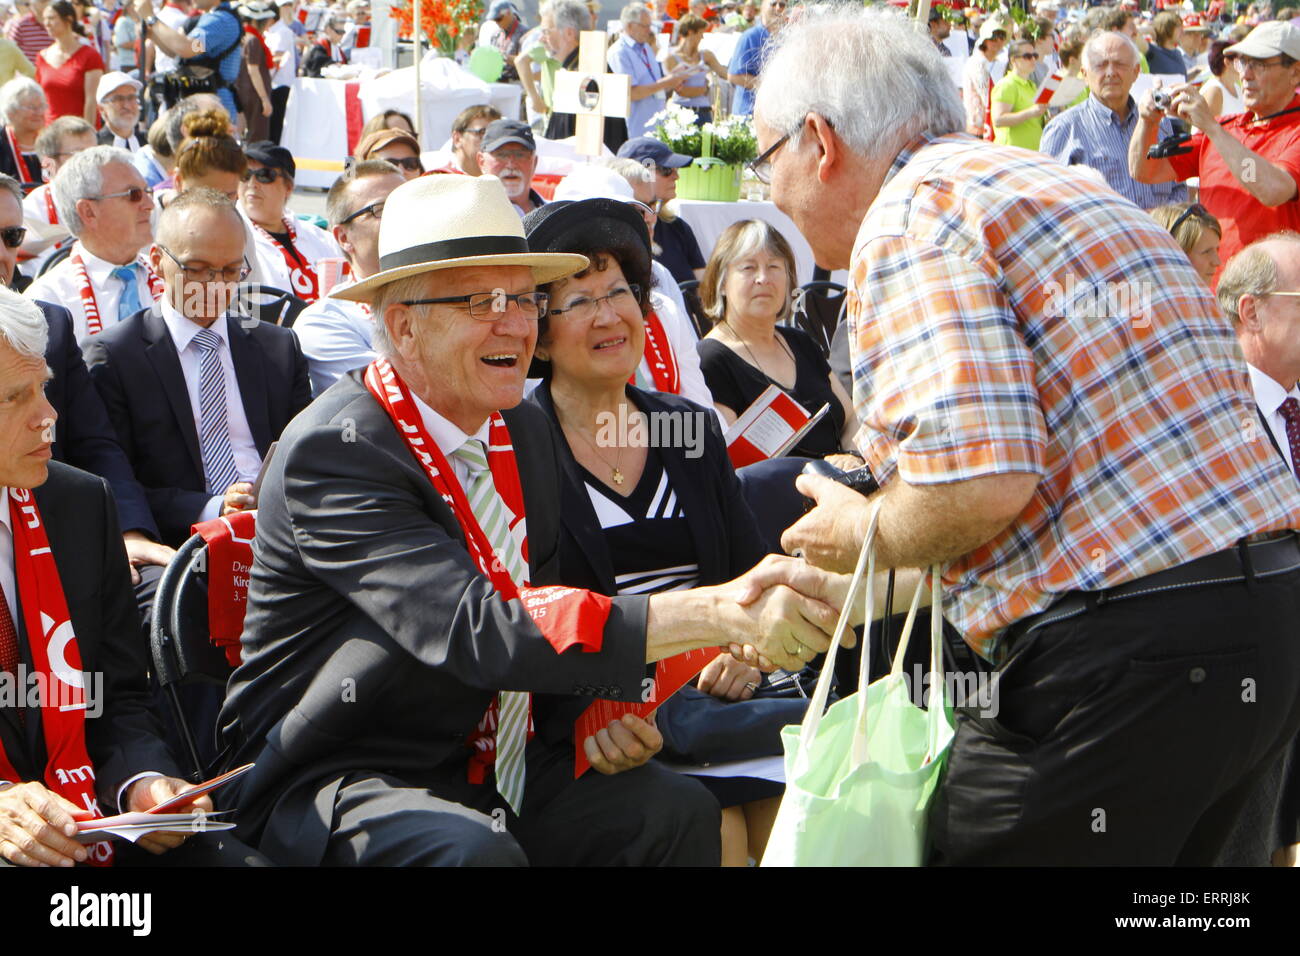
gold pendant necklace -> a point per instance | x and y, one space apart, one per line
616 474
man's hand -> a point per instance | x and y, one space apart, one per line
830 536
1188 104
142 550
238 497
151 791
1147 108
37 826
624 745
781 628
728 678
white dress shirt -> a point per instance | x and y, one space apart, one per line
448 437
1269 396
335 336
131 145
247 459
62 286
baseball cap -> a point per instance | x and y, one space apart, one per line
1195 22
992 25
111 81
1273 38
643 148
503 131
269 154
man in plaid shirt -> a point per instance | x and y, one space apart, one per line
1059 414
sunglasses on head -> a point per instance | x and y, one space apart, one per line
266 175
1195 209
13 236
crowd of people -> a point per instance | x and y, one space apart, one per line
1068 355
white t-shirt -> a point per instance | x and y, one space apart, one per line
175 18
279 39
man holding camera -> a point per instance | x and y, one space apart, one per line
1249 164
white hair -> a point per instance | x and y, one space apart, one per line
17 90
631 170
22 324
399 290
878 80
569 15
632 13
1095 41
82 177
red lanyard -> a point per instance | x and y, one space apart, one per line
302 275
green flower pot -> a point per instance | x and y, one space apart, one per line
711 180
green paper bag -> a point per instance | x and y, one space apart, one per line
859 778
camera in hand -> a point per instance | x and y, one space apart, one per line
1162 98
859 479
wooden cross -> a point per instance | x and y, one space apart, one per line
591 93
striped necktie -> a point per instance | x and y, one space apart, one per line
214 441
128 303
512 706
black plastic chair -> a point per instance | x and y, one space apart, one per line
269 304
820 308
182 654
54 260
691 294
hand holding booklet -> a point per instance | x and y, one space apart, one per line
157 819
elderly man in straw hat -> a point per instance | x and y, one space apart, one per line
403 655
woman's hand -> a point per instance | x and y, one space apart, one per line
728 678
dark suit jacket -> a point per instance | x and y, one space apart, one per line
83 435
137 371
31 171
371 641
105 137
81 523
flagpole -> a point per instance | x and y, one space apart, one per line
419 55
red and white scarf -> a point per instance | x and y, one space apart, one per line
94 324
55 655
565 616
50 208
659 357
20 166
302 274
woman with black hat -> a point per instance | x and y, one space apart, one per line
649 500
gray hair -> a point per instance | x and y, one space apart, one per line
183 108
569 15
1095 41
879 81
1252 271
411 287
50 142
631 170
16 90
632 13
15 188
22 324
82 177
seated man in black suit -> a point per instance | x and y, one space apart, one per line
90 744
398 614
195 395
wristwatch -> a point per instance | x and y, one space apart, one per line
148 22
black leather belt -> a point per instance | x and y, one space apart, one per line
1248 560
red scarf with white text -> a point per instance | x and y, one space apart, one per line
565 616
659 357
94 324
302 274
55 656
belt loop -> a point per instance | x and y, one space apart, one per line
1247 568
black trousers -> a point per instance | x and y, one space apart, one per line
279 103
650 816
1132 734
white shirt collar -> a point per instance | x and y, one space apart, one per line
183 330
1269 393
97 269
446 435
4 510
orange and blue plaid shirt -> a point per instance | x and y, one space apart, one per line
1011 315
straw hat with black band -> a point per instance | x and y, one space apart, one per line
454 222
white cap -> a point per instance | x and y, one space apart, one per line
593 182
112 81
1269 39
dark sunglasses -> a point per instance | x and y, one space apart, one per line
1027 56
375 210
13 236
1195 209
411 164
266 175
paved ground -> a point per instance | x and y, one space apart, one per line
308 201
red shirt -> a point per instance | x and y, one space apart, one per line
65 87
1243 217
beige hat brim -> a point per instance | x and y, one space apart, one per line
546 266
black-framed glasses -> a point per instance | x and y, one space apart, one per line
584 308
1195 209
264 175
762 167
489 306
13 236
375 211
207 273
134 195
411 164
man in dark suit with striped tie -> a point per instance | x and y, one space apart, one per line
197 396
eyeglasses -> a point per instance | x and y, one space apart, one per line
206 273
665 170
1027 56
375 211
134 195
121 100
511 155
584 309
30 107
762 167
411 164
476 131
1287 294
1195 209
264 175
13 236
489 306
1244 63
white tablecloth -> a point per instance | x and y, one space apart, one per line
315 123
709 219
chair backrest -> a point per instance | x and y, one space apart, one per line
270 304
691 295
819 309
54 260
178 634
